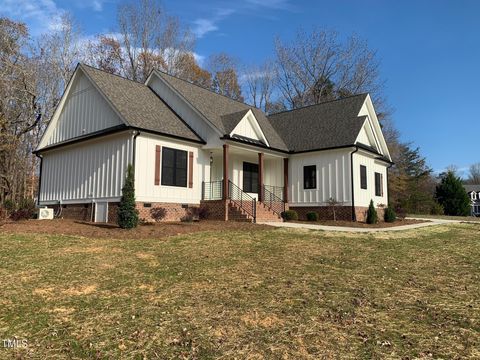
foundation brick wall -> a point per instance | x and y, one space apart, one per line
217 209
174 212
342 212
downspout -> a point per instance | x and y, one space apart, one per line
388 189
354 216
134 149
39 178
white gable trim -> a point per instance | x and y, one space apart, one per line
369 111
155 72
249 117
56 115
370 133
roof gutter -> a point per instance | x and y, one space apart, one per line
354 216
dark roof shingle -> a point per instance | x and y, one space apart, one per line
325 125
139 105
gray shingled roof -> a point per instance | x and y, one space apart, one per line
139 106
326 125
222 111
469 188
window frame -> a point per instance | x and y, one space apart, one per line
176 180
307 170
363 177
249 178
378 184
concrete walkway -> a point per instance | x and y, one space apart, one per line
431 222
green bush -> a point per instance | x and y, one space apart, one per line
389 215
290 215
24 210
436 209
127 212
312 216
9 205
372 216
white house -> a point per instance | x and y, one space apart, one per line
473 192
190 146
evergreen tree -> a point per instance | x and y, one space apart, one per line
372 216
127 213
451 194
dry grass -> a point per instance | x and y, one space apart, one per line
252 293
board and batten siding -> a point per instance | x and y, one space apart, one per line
85 111
363 196
91 170
145 188
332 175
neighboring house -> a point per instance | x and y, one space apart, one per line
190 146
473 192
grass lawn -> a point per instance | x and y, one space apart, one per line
446 217
251 293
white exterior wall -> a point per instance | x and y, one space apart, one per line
195 121
79 173
362 196
85 111
145 188
333 178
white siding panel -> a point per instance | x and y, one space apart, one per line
77 173
362 196
147 191
85 111
333 178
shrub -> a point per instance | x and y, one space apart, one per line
203 212
127 212
389 215
158 214
9 205
290 215
400 211
451 194
372 216
436 209
24 211
312 216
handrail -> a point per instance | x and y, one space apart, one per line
212 190
244 201
274 202
278 191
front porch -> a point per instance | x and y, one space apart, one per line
246 184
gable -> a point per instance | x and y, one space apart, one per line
248 127
366 136
82 111
368 111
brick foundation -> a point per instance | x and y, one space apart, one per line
343 213
173 211
217 209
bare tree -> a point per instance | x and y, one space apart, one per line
106 53
333 203
474 174
151 39
318 66
225 76
260 83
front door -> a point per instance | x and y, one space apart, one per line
250 177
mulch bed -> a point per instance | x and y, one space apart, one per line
96 230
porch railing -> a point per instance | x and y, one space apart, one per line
212 190
272 200
242 200
275 190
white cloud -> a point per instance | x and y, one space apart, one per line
273 4
203 26
39 15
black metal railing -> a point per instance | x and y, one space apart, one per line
242 200
275 190
212 190
273 202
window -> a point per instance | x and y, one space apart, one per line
310 177
174 167
363 177
250 177
378 184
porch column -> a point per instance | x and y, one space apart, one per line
260 177
225 172
285 180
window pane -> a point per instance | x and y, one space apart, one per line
174 167
250 177
363 176
310 177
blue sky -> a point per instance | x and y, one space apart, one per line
429 51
